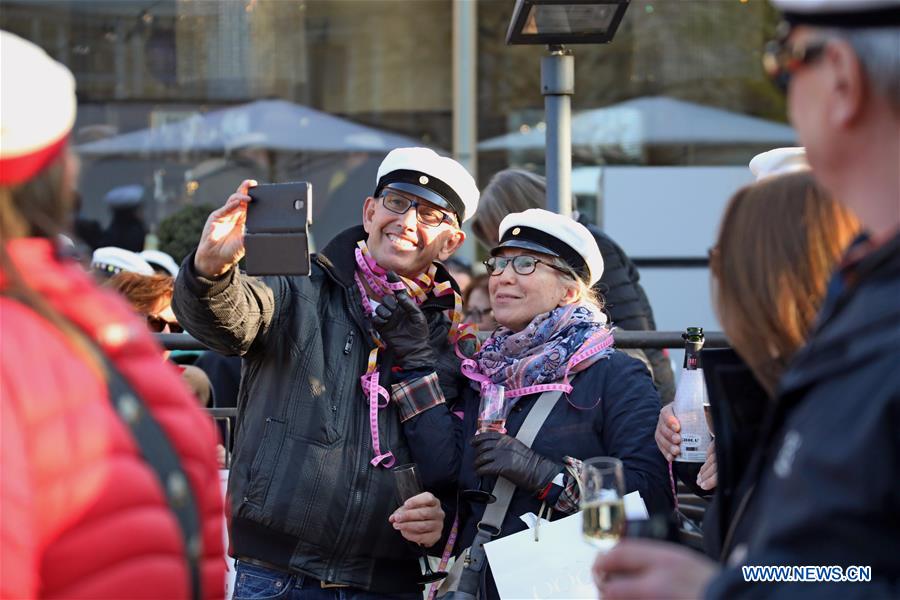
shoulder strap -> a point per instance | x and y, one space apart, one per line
160 455
492 520
504 489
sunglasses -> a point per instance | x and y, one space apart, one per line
522 264
158 325
781 61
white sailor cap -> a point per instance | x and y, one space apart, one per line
439 180
779 161
158 258
550 233
110 260
840 13
124 196
38 99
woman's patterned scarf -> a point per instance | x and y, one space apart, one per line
568 339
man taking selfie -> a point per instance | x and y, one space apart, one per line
312 495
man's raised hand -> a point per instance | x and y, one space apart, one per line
222 241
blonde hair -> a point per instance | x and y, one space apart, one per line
583 291
779 241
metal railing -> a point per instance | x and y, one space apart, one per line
624 339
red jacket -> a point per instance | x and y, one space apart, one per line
81 513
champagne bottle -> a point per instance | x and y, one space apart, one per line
690 398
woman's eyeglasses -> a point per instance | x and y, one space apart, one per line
523 264
158 325
429 216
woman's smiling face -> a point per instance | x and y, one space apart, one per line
517 299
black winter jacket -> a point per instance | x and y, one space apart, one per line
628 306
303 494
618 418
825 479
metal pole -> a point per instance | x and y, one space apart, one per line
465 106
558 86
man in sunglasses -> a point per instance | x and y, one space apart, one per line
313 498
825 488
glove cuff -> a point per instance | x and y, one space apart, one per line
545 482
422 359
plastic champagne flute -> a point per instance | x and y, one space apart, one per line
406 478
492 412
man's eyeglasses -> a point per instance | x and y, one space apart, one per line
429 216
523 264
158 325
781 61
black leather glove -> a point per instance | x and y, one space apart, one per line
502 455
404 328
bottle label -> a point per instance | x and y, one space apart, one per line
692 449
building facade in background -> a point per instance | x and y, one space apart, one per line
387 65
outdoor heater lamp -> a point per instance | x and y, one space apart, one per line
554 22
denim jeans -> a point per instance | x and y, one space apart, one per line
253 582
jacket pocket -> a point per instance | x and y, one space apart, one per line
259 478
307 496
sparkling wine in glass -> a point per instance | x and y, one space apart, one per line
602 504
492 411
406 478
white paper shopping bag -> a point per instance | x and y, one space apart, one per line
558 565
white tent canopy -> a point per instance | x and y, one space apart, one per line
654 121
275 125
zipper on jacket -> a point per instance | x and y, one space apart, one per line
349 344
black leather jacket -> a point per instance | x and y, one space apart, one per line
303 495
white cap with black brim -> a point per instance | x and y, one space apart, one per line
842 14
437 179
539 230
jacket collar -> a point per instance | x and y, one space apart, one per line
338 258
37 261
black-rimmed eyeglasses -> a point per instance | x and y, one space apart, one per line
427 215
523 264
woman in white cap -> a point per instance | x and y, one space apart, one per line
553 336
110 487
